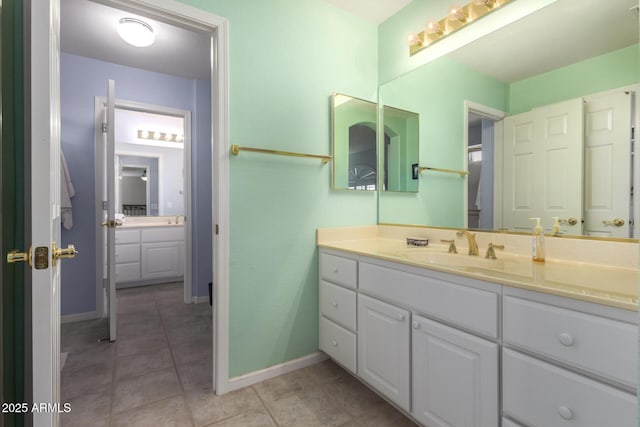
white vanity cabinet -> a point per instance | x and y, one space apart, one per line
568 363
149 254
384 349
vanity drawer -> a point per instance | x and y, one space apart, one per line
471 308
127 272
538 394
338 343
163 234
127 235
592 343
338 304
127 253
342 271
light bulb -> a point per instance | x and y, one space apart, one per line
144 134
457 14
488 3
434 28
156 135
413 39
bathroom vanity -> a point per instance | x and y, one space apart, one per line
455 340
149 253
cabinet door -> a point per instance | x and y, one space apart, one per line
454 376
383 349
160 260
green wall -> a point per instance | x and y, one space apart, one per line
285 59
441 109
601 73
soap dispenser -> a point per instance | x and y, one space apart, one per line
556 226
537 242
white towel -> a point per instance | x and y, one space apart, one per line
66 193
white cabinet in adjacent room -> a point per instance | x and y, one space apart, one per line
455 376
384 348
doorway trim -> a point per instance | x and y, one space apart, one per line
489 113
99 107
190 17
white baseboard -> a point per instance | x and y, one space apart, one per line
275 371
199 300
78 317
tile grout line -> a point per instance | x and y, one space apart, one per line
264 405
175 365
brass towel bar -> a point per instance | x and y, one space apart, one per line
235 150
426 168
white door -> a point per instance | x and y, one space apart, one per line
607 195
454 377
45 206
111 209
384 349
542 165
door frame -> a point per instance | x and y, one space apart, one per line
190 17
99 106
490 113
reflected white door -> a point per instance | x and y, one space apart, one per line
45 206
607 199
543 163
111 209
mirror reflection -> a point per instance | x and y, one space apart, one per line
354 143
400 149
564 149
149 164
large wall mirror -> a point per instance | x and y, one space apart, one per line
354 144
568 92
149 164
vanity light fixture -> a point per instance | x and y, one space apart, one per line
136 32
160 136
458 17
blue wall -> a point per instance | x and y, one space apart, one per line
82 79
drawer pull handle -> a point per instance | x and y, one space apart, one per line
400 317
334 304
566 339
416 324
334 343
565 412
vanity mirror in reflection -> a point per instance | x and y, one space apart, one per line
564 148
400 149
149 164
354 143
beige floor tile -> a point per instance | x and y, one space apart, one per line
325 372
253 418
170 412
353 397
284 386
207 407
153 340
309 408
143 362
89 409
151 387
384 416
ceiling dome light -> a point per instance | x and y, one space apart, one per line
136 32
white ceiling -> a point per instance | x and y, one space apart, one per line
562 33
89 29
372 10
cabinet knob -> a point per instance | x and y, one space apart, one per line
334 343
400 316
334 304
565 339
565 412
415 324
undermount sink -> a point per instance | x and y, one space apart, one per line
459 260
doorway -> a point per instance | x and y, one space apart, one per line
479 136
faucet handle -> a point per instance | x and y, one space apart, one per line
491 253
452 246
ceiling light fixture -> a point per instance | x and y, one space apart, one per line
136 32
457 18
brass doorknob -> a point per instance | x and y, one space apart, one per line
570 221
15 256
618 222
59 253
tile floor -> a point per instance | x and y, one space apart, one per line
158 373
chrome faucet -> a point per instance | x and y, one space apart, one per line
473 245
491 251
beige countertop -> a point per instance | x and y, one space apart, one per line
148 225
596 283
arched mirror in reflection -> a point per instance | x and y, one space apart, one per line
400 149
354 124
